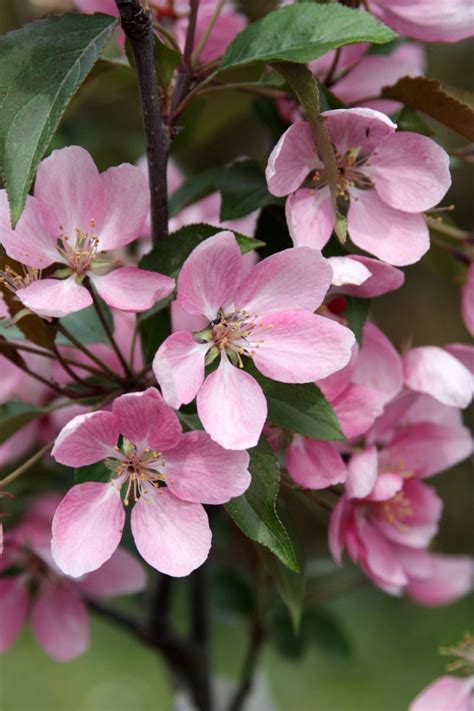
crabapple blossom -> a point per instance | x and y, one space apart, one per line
467 299
447 693
439 373
56 609
75 218
363 277
386 180
267 315
168 475
440 21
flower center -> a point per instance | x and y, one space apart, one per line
397 509
82 253
14 281
463 653
238 334
136 469
349 173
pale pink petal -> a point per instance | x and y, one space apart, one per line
379 559
173 536
179 368
226 27
362 473
301 347
210 275
448 693
440 21
426 448
383 278
201 471
31 242
126 205
132 289
87 527
338 525
432 370
147 421
357 128
346 270
293 279
396 237
357 408
451 577
379 365
386 486
86 439
425 408
310 217
313 464
13 607
182 321
292 159
232 407
70 190
55 297
59 620
411 172
464 353
107 6
335 384
467 300
122 574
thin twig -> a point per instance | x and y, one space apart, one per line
183 80
199 604
205 35
256 639
108 332
75 342
26 465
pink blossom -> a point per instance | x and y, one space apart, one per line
364 277
167 474
314 464
467 300
440 21
387 179
439 373
75 218
448 693
266 315
56 610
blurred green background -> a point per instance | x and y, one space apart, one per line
394 641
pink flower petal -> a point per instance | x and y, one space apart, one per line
314 464
310 217
201 471
383 278
210 275
338 525
293 279
467 300
122 574
87 439
292 159
411 172
226 27
357 408
301 347
182 321
357 128
463 352
451 577
132 289
59 620
55 297
335 384
31 242
379 560
13 607
232 407
346 270
147 421
87 527
179 368
432 370
442 21
173 536
386 486
126 205
70 190
379 365
362 473
448 693
396 237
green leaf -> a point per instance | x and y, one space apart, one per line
255 511
93 472
42 65
153 331
301 33
85 325
452 107
244 189
356 313
15 415
194 188
408 120
166 61
231 593
291 585
168 256
322 629
299 408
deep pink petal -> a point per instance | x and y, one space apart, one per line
147 421
386 486
122 574
31 242
201 471
179 368
362 473
432 370
210 275
55 297
173 536
338 526
126 205
379 365
451 577
132 289
292 159
380 558
13 607
87 439
396 237
333 385
411 172
301 347
226 27
60 621
467 300
87 527
310 217
314 464
357 408
384 278
232 407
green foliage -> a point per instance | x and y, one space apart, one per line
318 628
42 66
356 314
244 189
301 33
255 511
85 325
15 415
93 472
231 593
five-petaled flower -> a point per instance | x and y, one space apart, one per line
266 315
167 474
386 180
75 217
